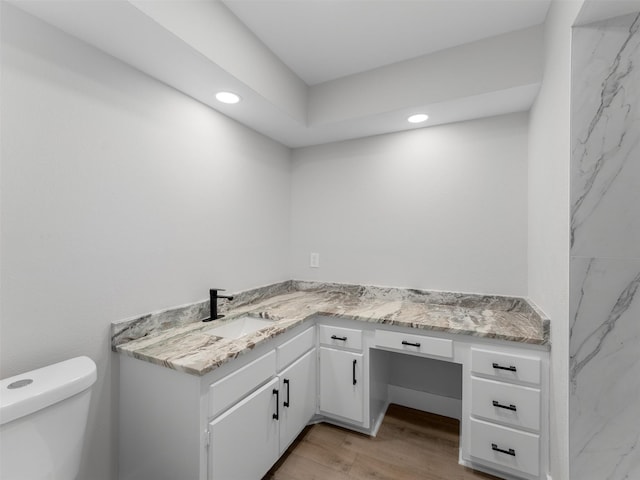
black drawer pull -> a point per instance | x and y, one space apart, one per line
354 372
342 339
287 403
500 367
506 407
495 448
276 416
404 342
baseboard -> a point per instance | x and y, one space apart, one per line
345 425
427 402
378 421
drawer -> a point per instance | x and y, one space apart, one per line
412 343
505 366
233 387
340 337
503 402
294 348
506 447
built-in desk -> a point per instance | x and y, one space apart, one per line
498 391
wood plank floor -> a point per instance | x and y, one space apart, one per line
410 445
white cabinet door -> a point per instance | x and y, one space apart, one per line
342 384
244 440
297 397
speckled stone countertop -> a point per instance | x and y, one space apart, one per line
175 338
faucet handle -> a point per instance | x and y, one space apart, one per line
213 294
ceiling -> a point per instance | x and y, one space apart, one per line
321 40
319 71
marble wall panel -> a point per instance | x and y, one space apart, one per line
604 344
604 413
605 168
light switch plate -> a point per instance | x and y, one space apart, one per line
314 260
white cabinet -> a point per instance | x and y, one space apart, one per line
247 439
342 384
219 426
297 397
507 420
244 440
223 426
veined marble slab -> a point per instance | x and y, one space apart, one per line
169 339
604 368
604 344
123 331
605 171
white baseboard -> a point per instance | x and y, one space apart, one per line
377 422
428 402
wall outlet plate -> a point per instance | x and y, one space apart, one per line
314 260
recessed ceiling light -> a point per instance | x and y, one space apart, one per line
227 97
418 118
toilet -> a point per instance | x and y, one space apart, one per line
43 415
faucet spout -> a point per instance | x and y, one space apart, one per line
213 303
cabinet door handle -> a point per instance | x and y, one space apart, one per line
276 416
416 344
500 367
286 382
495 448
335 337
506 407
354 372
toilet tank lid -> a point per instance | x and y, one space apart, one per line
48 385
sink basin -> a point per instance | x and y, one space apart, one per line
239 327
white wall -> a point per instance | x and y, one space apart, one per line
441 208
548 214
119 196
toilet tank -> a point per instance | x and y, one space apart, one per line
43 416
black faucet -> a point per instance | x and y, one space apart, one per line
213 303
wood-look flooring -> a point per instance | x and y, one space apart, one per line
410 445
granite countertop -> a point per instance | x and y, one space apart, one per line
175 338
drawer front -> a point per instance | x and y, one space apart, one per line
504 366
294 348
504 446
411 343
236 385
502 402
340 337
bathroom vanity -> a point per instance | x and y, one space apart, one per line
194 405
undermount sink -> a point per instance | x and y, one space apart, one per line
239 327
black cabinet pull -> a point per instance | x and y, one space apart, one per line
495 448
404 342
335 337
286 382
276 416
500 367
354 372
506 407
